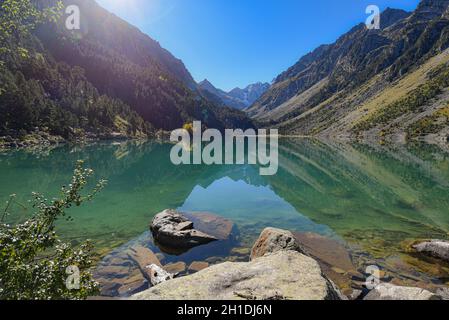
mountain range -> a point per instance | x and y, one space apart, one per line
108 77
236 98
382 83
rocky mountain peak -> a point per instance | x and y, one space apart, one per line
330 71
431 9
206 84
237 98
390 16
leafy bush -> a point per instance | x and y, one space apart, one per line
430 124
33 260
424 126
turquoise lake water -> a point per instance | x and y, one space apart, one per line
372 199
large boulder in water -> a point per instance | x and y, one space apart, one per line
272 240
172 229
284 275
436 248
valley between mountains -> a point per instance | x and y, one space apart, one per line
111 80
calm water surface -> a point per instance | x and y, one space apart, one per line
373 200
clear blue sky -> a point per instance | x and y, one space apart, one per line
237 42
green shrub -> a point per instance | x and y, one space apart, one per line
415 100
430 124
424 126
33 260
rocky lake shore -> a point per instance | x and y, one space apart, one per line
41 138
167 263
35 139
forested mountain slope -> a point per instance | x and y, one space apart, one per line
106 78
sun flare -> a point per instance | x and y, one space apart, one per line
122 5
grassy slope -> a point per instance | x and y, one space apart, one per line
338 115
298 102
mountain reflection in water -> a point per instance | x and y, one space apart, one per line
374 200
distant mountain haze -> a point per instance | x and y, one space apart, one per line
236 98
251 93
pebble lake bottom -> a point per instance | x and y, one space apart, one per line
356 205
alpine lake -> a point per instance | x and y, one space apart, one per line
351 205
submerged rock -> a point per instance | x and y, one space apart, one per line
176 268
147 262
173 230
284 275
436 248
387 291
114 272
327 250
335 260
143 256
209 223
241 251
149 265
112 284
272 240
119 265
198 266
134 284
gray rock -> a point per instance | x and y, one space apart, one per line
158 275
132 283
173 230
273 240
387 291
355 295
443 293
435 248
284 275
